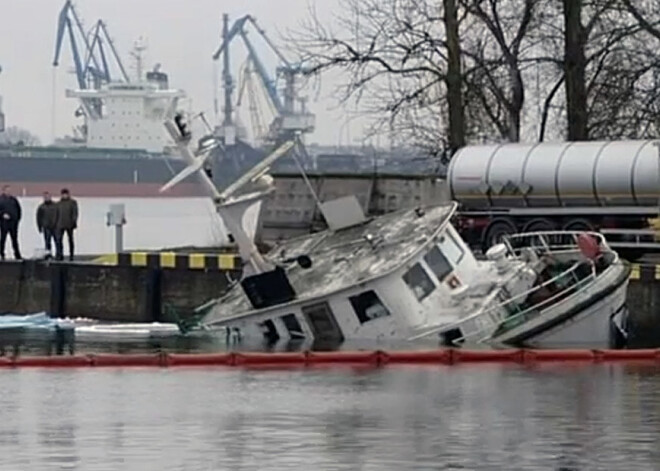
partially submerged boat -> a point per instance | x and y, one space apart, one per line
408 275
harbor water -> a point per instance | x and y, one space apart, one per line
152 224
592 417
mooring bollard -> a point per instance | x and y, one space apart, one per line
116 216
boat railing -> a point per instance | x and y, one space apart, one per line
514 310
550 242
510 311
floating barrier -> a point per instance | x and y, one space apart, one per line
59 361
200 359
128 360
442 357
368 359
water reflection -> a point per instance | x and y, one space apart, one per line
459 417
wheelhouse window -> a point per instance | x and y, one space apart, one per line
269 331
292 324
450 248
368 306
418 281
438 263
322 322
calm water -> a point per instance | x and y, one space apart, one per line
152 223
467 417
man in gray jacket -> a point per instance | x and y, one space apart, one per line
47 222
67 222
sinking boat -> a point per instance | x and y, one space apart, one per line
409 276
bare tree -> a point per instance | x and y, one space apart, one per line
495 75
646 14
401 60
459 71
605 69
575 68
454 78
14 135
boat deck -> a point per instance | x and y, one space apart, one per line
348 257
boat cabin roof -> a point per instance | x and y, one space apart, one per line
345 258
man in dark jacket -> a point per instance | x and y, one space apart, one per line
10 216
47 221
67 222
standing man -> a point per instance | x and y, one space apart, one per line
10 216
47 222
67 222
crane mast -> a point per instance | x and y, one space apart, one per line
289 121
88 50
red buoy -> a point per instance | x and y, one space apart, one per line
588 246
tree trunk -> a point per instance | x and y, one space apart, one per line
454 78
517 102
575 70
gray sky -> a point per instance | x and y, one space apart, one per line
181 35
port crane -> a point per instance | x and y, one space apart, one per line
88 49
93 53
290 120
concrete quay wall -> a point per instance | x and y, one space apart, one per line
140 293
110 293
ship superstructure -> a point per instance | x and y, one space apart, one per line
119 112
131 114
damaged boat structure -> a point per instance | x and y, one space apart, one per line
409 276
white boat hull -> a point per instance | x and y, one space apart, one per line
590 327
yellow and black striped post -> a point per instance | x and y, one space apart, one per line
645 272
173 260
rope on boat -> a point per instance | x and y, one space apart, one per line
309 359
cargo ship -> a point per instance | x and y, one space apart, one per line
123 150
120 150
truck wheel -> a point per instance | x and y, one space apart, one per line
495 231
579 225
632 255
539 225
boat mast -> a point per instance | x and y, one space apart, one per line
230 208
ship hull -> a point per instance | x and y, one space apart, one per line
116 176
104 189
112 172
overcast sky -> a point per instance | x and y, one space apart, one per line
181 35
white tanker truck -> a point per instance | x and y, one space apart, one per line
612 187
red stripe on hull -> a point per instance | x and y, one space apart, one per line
106 190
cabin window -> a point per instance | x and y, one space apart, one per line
270 331
291 323
418 281
451 249
322 322
368 306
438 263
